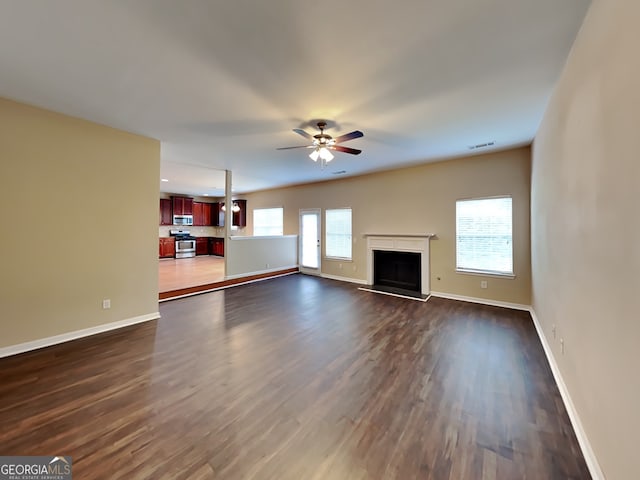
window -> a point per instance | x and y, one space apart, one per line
484 236
268 221
338 233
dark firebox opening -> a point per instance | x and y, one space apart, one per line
397 271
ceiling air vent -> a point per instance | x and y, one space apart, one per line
481 145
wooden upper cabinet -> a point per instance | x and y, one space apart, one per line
202 214
207 218
182 205
188 206
178 205
217 215
165 212
197 214
240 217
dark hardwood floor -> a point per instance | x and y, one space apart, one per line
297 378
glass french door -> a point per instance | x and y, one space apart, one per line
310 231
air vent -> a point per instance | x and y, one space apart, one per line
339 172
481 145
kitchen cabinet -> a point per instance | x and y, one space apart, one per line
239 217
217 215
167 247
165 212
202 245
202 214
197 214
207 214
216 246
182 205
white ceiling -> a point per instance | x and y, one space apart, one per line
222 83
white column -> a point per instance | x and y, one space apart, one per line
228 219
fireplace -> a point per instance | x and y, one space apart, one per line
397 271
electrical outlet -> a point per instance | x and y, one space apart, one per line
483 284
106 303
562 346
340 266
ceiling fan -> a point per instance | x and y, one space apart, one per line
322 143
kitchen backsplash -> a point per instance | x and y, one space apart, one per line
195 231
200 231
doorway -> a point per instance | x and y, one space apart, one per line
310 247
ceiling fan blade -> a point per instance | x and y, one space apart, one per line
340 148
306 135
349 136
299 146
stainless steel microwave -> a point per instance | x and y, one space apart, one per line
183 219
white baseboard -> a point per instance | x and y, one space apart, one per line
583 440
484 301
66 337
259 272
343 279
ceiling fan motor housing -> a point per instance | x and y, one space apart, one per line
322 137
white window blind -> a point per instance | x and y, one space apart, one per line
484 235
268 221
338 233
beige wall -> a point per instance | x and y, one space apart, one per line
253 255
84 204
421 200
586 231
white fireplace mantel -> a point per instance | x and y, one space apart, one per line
406 235
401 243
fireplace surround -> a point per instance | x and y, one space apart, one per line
416 244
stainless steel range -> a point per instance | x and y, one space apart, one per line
185 243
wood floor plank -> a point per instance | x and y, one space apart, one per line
297 378
181 273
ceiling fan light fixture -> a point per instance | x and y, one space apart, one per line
235 208
326 155
323 143
314 155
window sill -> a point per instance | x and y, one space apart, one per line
485 273
339 259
